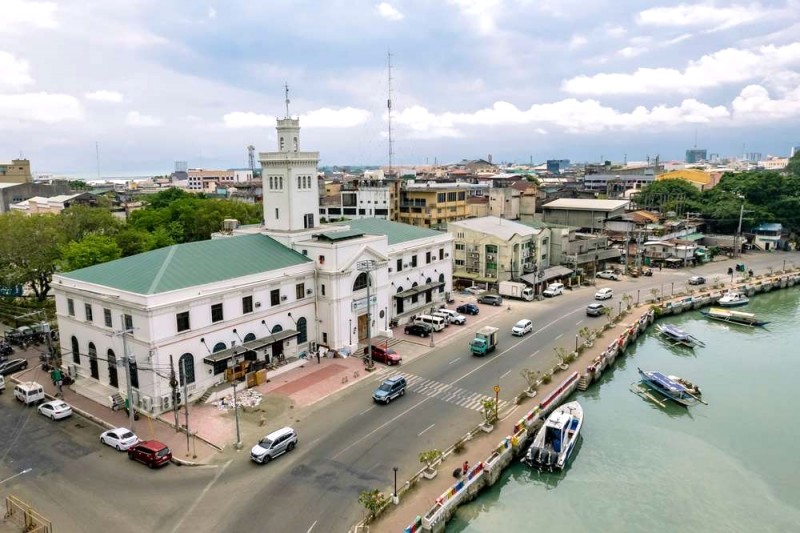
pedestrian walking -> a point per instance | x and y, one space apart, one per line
318 359
660 266
465 468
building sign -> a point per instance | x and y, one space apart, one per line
362 303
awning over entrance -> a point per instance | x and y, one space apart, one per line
257 344
549 273
419 289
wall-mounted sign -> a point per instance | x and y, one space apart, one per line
362 303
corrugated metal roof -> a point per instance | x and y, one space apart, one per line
341 235
395 231
499 227
587 204
187 265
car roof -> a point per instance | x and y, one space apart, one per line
595 305
119 430
154 445
278 432
393 379
523 321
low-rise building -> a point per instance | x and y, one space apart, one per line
16 171
584 214
767 236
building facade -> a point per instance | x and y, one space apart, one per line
16 171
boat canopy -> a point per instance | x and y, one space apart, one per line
664 382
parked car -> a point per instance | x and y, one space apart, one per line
608 274
453 317
13 365
119 438
275 444
554 289
383 354
420 330
522 327
150 452
697 280
490 299
55 410
604 294
390 389
468 309
595 309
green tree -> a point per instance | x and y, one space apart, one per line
79 221
92 250
793 168
30 248
670 195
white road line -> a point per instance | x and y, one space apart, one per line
366 411
534 353
454 360
504 375
579 322
424 430
312 526
561 335
201 496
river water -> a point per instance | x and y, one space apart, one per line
730 466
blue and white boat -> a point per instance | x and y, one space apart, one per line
676 335
672 387
555 441
733 299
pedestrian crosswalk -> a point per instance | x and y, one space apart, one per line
441 391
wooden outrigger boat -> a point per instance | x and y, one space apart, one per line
676 336
733 317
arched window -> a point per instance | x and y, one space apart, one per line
218 347
113 380
76 352
414 284
295 144
299 182
428 280
399 290
441 278
186 364
277 329
361 282
281 183
302 330
250 337
134 373
93 367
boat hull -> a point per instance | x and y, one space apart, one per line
657 383
542 453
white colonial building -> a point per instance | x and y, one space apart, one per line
205 310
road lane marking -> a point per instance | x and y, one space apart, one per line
312 526
366 411
201 496
504 375
579 322
561 335
534 353
424 430
454 360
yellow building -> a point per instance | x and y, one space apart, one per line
432 205
699 178
17 171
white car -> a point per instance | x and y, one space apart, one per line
604 294
119 438
55 410
554 289
522 327
608 274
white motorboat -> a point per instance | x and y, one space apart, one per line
555 441
733 299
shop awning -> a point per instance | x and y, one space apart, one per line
257 344
419 289
549 273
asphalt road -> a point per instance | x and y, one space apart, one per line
347 443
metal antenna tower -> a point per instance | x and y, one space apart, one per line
251 156
389 107
286 89
97 157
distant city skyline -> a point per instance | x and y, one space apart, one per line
153 82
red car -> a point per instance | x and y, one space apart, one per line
150 452
385 355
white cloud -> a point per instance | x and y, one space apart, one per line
104 96
755 104
18 14
577 41
15 72
574 116
631 51
324 117
722 67
212 13
703 15
387 11
140 120
616 31
39 107
482 12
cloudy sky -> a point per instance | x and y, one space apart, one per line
155 81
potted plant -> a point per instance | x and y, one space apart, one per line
587 335
656 294
532 377
429 459
489 407
373 501
628 299
547 377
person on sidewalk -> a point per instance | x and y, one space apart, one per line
465 469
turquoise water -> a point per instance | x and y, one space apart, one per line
730 466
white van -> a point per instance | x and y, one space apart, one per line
436 322
29 392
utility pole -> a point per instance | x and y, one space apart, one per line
186 404
173 383
236 412
368 266
738 232
126 360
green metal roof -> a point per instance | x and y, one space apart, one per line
693 237
395 231
341 235
190 264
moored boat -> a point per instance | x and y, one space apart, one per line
733 299
555 441
674 388
734 317
676 335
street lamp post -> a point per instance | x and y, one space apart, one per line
236 413
368 266
394 495
576 343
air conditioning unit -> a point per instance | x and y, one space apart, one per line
283 298
73 371
147 403
474 255
309 291
391 270
258 304
165 402
405 265
134 397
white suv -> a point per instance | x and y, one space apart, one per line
453 317
554 289
275 444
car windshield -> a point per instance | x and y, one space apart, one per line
127 435
162 452
520 324
61 405
386 387
265 443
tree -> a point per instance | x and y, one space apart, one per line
30 248
793 168
92 250
79 221
670 195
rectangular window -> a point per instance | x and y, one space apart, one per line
128 322
451 197
322 287
459 262
300 291
414 260
277 214
427 258
70 307
88 308
107 317
460 246
441 253
324 338
275 297
182 320
400 265
440 197
247 305
216 313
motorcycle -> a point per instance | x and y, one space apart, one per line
648 273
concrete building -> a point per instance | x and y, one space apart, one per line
583 214
774 163
54 204
767 236
434 205
696 155
17 171
14 193
356 199
254 297
701 179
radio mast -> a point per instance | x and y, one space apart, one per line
389 107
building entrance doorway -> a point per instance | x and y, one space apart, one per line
362 327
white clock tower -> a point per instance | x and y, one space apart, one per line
289 180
